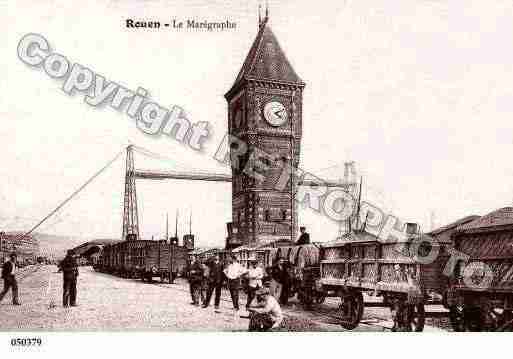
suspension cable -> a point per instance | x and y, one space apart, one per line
77 191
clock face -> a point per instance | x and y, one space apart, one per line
275 113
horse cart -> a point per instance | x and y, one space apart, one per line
360 262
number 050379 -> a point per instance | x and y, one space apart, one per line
26 342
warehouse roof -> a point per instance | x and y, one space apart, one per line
497 218
454 224
88 248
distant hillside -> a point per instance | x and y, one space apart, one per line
54 246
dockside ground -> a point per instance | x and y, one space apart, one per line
106 302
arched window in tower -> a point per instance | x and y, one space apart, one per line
283 214
267 215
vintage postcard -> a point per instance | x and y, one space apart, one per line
256 166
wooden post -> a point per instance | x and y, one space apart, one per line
171 253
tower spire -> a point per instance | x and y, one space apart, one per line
266 10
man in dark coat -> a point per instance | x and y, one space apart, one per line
69 268
215 282
304 238
195 279
9 275
280 273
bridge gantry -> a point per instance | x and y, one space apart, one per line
130 212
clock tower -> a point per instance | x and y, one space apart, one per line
265 113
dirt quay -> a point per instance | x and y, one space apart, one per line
106 302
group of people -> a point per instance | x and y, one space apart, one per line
68 266
265 313
208 278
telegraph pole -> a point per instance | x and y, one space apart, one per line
2 246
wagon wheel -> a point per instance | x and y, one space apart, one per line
351 310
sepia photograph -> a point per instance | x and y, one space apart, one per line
256 166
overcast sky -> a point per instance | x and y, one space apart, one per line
418 93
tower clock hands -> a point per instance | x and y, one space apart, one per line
279 113
275 113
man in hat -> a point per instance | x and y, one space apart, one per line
9 270
255 275
233 272
195 280
69 268
304 238
215 282
266 314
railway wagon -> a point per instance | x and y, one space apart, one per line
160 259
404 274
480 295
143 259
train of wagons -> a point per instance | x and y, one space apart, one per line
144 259
469 272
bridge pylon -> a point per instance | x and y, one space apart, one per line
130 214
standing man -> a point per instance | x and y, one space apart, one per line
267 314
304 238
69 269
204 281
280 274
215 282
195 279
255 275
233 272
9 270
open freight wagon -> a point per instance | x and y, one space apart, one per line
397 271
144 259
480 295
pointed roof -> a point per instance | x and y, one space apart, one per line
267 61
497 218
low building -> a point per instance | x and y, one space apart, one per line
26 248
